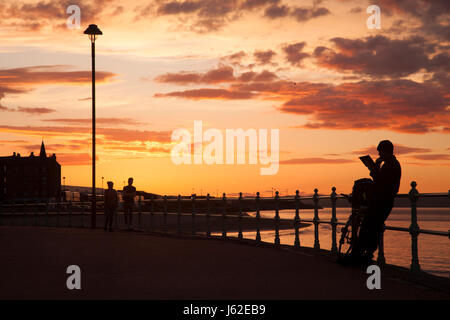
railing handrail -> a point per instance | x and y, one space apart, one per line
189 199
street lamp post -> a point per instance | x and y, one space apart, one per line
93 31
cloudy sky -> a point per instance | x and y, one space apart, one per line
312 69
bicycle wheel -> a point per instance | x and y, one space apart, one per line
345 242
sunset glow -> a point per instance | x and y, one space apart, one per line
311 69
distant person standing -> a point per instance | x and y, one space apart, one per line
128 195
111 201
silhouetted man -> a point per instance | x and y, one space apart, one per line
111 201
386 183
128 194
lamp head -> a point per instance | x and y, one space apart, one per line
93 31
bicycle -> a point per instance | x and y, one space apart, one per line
350 232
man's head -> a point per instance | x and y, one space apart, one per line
385 149
130 181
110 184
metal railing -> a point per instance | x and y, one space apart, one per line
226 208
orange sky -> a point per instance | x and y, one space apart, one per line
311 69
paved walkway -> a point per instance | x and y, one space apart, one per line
133 265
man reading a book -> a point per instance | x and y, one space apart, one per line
386 173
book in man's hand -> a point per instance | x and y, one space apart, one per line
368 162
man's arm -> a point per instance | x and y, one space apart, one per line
375 172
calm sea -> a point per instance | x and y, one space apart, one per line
434 251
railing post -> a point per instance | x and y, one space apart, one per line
82 217
240 236
277 219
70 214
179 214
224 216
193 214
139 212
116 217
258 218
414 229
208 222
381 260
152 211
316 219
46 213
11 216
58 212
165 214
297 219
333 198
35 215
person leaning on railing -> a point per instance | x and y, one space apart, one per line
111 201
386 183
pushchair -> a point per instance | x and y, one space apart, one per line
359 199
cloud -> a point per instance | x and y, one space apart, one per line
433 15
35 110
202 15
52 147
398 149
211 15
222 74
276 11
235 58
37 75
356 10
264 57
108 121
428 157
218 75
4 90
12 141
206 93
303 14
315 161
252 4
294 53
39 15
397 105
74 159
109 134
38 111
379 56
19 81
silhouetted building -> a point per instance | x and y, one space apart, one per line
33 178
